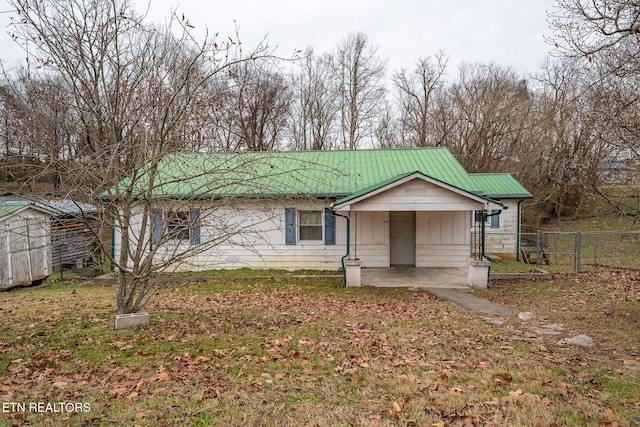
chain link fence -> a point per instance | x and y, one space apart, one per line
571 251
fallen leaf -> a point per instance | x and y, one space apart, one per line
503 379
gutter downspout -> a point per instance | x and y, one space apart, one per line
484 223
112 267
518 235
344 270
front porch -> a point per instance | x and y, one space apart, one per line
429 277
414 231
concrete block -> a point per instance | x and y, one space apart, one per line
131 319
353 273
478 277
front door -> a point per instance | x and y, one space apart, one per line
402 238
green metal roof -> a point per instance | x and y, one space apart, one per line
8 209
13 205
500 186
298 173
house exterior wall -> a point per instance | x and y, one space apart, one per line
25 248
260 244
503 241
443 239
370 242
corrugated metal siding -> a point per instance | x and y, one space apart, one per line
71 242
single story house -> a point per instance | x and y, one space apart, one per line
25 243
316 209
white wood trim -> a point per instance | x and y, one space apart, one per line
472 199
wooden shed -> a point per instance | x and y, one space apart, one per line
72 241
25 243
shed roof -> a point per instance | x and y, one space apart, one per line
12 206
300 173
67 206
8 209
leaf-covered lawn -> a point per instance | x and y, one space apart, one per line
298 352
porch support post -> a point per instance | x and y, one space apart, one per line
353 276
478 277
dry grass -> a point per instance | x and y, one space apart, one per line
308 352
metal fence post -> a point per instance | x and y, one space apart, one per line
538 248
595 249
578 252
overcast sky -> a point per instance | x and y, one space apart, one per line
507 32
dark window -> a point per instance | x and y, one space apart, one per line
178 225
495 218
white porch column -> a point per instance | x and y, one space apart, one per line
353 273
478 277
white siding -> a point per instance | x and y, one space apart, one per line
443 231
255 237
25 248
503 240
371 242
417 195
442 239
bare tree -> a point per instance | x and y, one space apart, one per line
490 106
135 91
314 107
604 37
416 97
358 73
11 150
389 132
256 107
600 31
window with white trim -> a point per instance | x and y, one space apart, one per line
310 225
